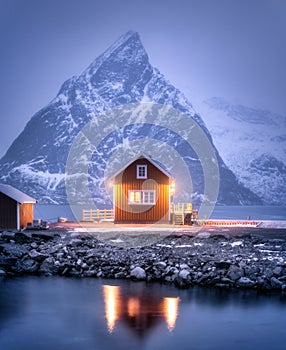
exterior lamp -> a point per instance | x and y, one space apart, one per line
172 187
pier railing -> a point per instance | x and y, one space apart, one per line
214 222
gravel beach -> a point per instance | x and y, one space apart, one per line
222 257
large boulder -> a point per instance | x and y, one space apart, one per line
138 273
275 283
245 282
35 255
183 279
29 265
48 267
235 273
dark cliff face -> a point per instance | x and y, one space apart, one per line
36 161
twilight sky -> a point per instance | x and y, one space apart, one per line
235 49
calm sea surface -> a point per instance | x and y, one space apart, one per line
38 313
52 212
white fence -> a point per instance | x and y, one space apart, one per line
91 215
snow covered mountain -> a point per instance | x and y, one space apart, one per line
252 143
36 161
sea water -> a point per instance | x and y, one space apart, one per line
92 314
53 212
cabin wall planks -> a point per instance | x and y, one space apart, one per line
26 214
8 212
127 180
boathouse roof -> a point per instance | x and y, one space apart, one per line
17 195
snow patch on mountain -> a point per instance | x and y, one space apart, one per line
252 143
122 75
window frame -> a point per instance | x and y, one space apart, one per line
138 167
150 195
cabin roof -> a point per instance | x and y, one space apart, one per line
17 195
157 164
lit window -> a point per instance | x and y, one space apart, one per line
131 196
142 197
141 171
137 197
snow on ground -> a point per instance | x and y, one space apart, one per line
165 229
272 224
236 243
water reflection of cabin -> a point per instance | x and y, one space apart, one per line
142 191
140 312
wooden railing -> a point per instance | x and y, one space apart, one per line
183 213
181 208
97 215
177 209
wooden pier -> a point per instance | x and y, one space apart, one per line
180 214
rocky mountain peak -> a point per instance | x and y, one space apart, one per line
118 76
124 62
36 162
127 48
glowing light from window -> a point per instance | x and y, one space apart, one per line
133 307
131 197
142 197
111 296
137 197
170 311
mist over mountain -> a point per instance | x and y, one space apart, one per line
252 142
122 75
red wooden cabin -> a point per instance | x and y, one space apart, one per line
141 192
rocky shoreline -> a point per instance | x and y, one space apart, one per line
208 259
